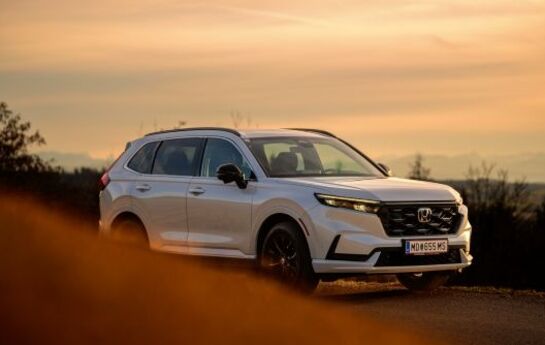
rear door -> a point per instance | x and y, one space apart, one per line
161 193
219 214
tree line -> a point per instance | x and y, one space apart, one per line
508 237
26 173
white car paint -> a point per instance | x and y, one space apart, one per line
203 216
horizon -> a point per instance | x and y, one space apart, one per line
427 76
520 167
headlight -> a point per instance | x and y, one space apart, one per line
360 205
458 197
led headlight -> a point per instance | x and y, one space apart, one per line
360 205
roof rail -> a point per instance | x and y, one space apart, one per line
232 131
319 131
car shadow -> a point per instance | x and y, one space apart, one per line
364 296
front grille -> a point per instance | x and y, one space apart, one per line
402 220
399 258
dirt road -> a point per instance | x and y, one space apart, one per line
456 315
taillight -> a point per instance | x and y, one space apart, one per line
104 180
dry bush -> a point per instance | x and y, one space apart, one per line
508 238
484 189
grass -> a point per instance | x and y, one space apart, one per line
352 286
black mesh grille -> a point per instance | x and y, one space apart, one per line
402 220
399 258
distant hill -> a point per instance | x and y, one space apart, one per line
530 166
71 161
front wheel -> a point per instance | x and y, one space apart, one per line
426 281
285 255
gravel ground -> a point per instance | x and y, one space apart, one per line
455 315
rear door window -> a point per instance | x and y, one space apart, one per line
178 157
142 161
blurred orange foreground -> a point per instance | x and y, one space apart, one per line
60 284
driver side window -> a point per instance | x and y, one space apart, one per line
219 152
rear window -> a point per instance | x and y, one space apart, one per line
142 161
178 157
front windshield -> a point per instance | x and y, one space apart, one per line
302 156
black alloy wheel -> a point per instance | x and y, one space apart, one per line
286 256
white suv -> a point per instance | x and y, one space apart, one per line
301 203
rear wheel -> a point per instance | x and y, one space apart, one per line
129 231
285 255
426 281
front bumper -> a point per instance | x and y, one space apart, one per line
370 265
354 243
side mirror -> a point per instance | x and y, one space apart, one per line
385 169
231 173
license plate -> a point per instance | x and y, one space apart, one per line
425 247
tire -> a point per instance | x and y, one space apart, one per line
130 232
286 256
427 281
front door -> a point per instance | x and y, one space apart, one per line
219 215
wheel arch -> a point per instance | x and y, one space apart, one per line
272 220
127 215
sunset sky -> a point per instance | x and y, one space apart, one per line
393 77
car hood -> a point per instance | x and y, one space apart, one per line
384 189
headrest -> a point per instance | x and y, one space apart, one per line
285 163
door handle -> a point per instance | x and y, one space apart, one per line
143 187
196 190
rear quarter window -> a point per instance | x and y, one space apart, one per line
142 161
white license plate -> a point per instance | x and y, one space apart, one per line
425 247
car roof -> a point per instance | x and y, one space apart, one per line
284 132
246 133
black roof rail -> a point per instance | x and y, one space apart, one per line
319 131
232 131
